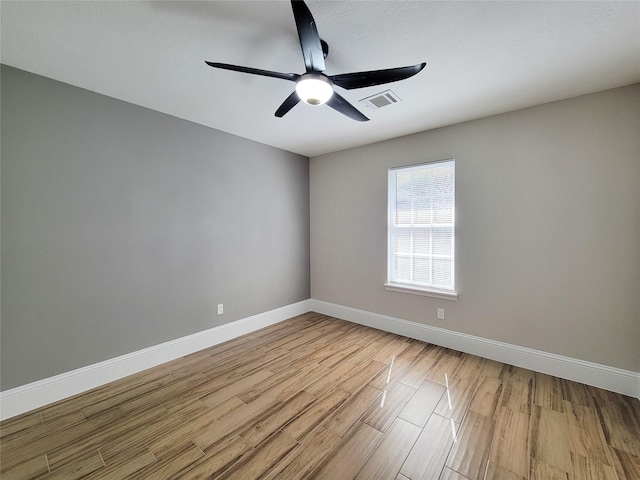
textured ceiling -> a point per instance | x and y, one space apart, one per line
482 58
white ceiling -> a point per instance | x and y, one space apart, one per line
482 58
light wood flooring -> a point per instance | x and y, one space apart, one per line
316 397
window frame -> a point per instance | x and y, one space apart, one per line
410 287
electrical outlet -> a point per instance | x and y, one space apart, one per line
440 314
220 309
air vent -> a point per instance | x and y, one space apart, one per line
380 100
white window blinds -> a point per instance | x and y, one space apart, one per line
421 226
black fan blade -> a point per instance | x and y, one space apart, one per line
375 77
309 38
341 105
291 101
255 71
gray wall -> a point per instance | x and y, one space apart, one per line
548 236
123 228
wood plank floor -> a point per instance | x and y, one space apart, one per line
316 397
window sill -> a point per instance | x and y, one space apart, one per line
397 287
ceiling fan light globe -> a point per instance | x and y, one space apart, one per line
314 89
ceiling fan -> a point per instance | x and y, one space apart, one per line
314 87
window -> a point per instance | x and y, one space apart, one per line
421 229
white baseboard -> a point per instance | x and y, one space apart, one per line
603 376
43 392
